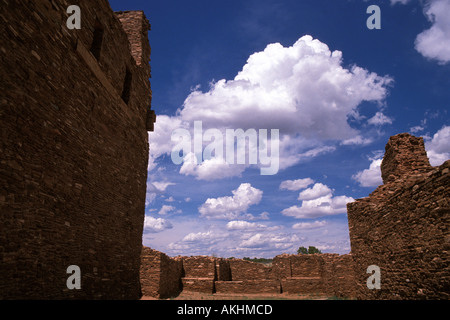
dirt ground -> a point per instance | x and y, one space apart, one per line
207 296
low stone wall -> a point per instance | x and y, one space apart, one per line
248 287
204 285
223 269
247 270
199 267
303 285
160 275
322 274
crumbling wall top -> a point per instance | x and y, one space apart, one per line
405 154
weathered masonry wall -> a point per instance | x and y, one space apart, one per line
160 275
74 113
403 226
323 274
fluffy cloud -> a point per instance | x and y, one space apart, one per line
309 225
269 241
438 148
317 191
243 225
303 90
154 188
317 202
295 185
433 43
370 177
379 119
159 186
165 209
200 236
154 225
210 169
231 207
358 140
298 89
160 139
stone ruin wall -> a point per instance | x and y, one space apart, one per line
403 226
74 113
323 274
160 275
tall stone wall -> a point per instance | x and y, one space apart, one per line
403 226
74 113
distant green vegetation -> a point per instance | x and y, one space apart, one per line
258 260
310 250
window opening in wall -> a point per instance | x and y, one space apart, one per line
97 40
127 87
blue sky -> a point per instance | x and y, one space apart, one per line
312 69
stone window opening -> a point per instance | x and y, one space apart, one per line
97 40
127 86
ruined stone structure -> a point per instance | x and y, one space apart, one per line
74 113
323 274
403 226
160 274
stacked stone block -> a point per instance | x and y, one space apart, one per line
199 274
249 277
160 275
321 274
403 226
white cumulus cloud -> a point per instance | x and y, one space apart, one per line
309 225
165 209
231 207
155 225
379 119
303 90
433 43
370 177
317 191
295 185
438 148
317 202
243 225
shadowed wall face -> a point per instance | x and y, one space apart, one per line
73 153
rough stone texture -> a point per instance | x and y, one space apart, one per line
302 285
74 113
200 267
404 154
223 269
403 227
247 270
248 286
160 275
324 274
204 285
